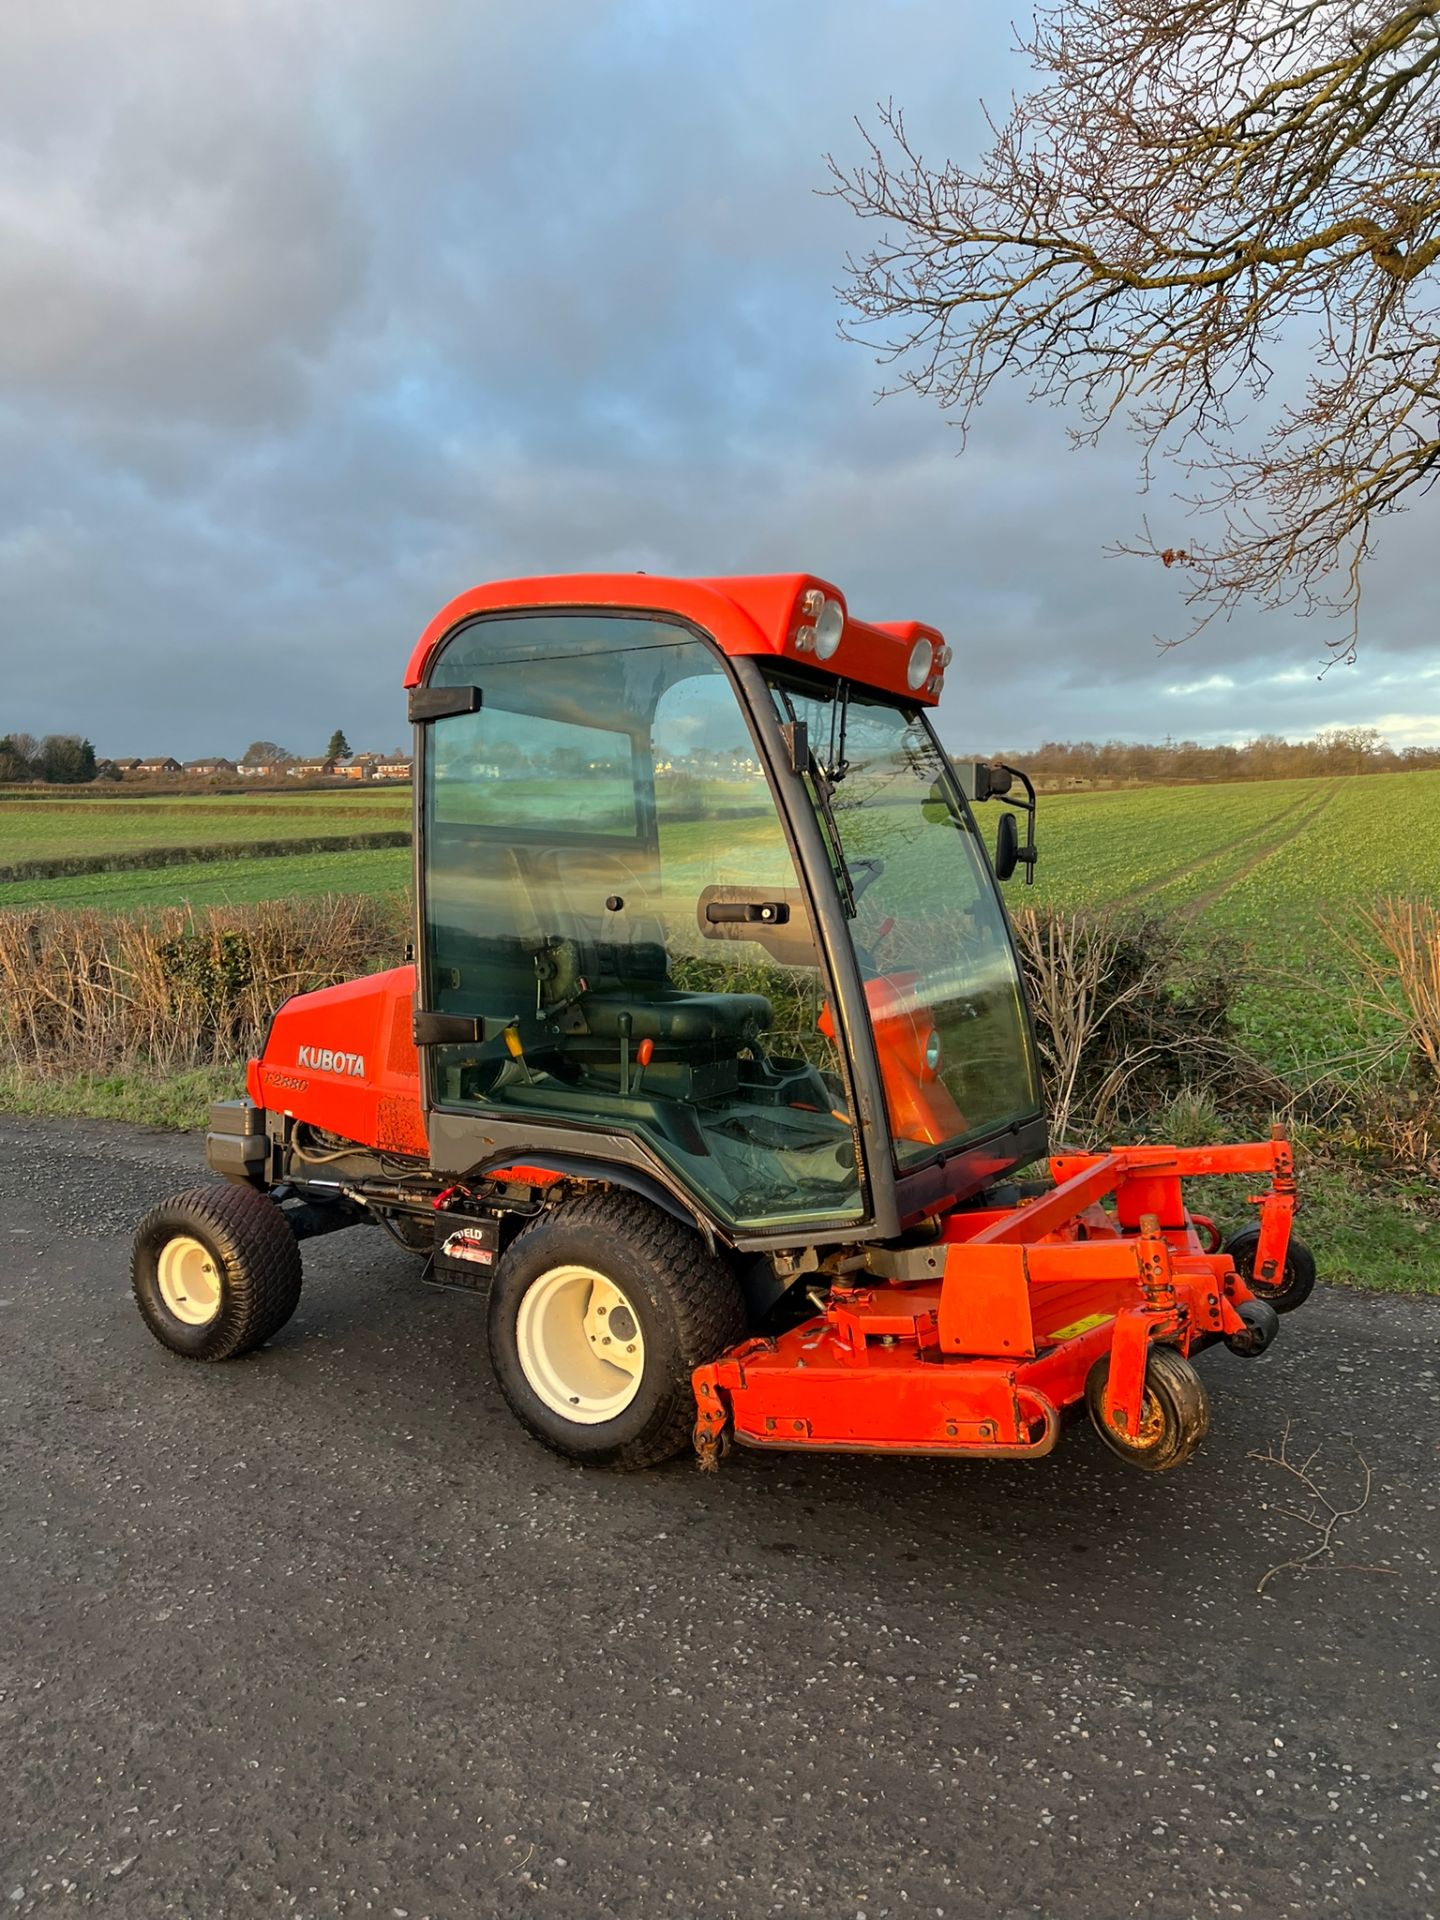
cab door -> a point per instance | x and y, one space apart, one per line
607 889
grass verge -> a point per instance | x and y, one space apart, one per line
1364 1230
147 1099
1383 1234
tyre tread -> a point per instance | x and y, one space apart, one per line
260 1254
709 1311
1297 1282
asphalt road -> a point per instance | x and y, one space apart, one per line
321 1632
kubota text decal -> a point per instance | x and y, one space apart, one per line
329 1062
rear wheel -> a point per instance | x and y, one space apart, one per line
599 1314
1174 1415
1296 1281
215 1271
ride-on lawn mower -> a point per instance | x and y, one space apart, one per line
715 1069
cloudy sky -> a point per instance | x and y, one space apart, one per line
313 314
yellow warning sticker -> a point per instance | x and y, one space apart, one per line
1077 1327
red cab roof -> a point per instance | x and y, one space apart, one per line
748 614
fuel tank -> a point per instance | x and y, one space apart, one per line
343 1058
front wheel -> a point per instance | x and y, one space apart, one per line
1174 1415
600 1312
215 1271
1296 1282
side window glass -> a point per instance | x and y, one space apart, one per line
605 868
503 773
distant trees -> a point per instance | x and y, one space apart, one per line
264 753
1337 750
66 760
339 746
18 754
61 759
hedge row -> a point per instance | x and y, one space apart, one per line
62 866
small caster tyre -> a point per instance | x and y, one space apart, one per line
1174 1417
1262 1323
600 1312
1295 1284
215 1271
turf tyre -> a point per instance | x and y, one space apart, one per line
1296 1283
256 1257
1176 1415
686 1301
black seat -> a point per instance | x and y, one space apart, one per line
632 977
672 1018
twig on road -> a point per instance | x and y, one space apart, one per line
1324 1517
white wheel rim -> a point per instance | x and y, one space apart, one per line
580 1344
189 1276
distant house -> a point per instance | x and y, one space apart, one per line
126 763
155 769
360 766
205 768
396 768
309 769
258 769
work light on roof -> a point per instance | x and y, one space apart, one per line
829 626
825 626
917 669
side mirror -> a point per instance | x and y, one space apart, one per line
1007 846
991 782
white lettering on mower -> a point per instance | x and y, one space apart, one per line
327 1061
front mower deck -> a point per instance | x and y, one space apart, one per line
980 1340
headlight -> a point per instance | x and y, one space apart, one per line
824 624
932 1052
828 628
917 671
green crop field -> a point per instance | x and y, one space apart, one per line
219 883
41 829
1276 867
1279 866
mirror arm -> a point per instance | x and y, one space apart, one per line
1027 855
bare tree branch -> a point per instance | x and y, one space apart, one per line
1322 1516
1194 181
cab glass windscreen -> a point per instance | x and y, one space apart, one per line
940 973
606 874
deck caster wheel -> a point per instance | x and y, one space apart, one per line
1173 1418
215 1271
1296 1282
600 1312
1262 1323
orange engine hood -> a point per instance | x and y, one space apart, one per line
343 1059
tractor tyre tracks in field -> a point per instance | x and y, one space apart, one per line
1137 895
1203 902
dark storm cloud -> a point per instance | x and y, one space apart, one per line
313 316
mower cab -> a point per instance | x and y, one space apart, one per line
715 1065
